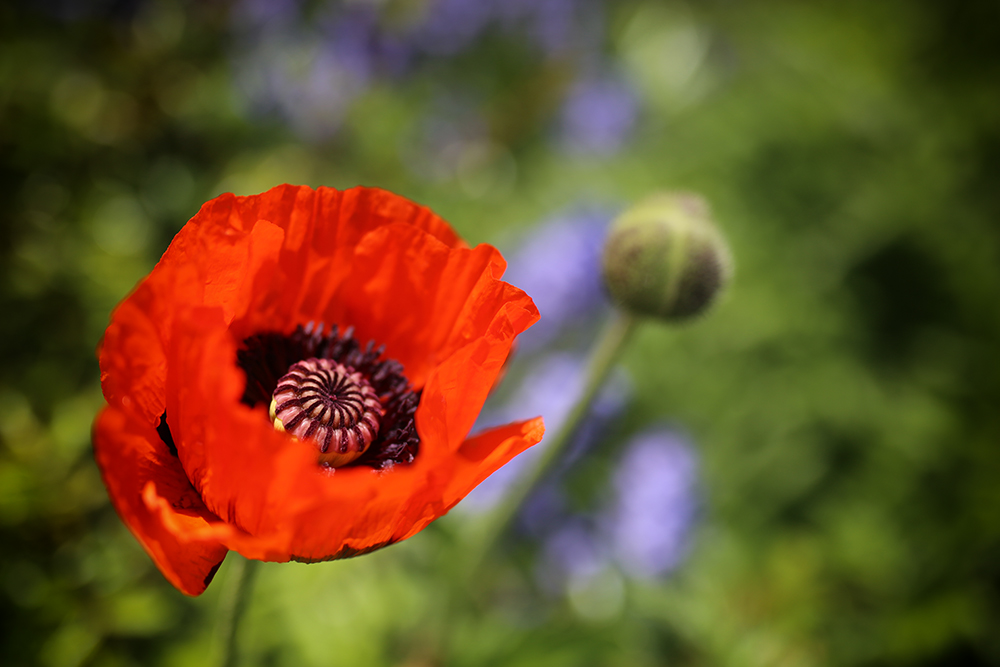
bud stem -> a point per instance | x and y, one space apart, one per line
232 606
603 356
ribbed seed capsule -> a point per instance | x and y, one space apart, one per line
330 405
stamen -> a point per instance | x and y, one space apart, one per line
329 404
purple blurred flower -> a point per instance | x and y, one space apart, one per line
550 390
265 14
306 82
363 45
646 530
598 116
649 523
450 26
309 75
452 125
571 552
550 23
559 266
308 69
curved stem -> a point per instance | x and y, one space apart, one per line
602 359
232 607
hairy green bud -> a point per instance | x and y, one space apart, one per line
664 257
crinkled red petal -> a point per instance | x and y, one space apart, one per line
232 248
146 483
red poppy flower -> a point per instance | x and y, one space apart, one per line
248 288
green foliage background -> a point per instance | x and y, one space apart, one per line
843 397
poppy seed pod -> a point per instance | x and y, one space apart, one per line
664 257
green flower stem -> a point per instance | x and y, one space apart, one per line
602 359
232 607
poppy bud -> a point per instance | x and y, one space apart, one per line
664 257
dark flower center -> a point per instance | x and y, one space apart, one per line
350 400
329 404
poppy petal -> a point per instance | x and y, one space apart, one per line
478 458
133 366
137 467
399 508
231 262
458 387
407 290
320 227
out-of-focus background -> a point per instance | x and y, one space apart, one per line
808 476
